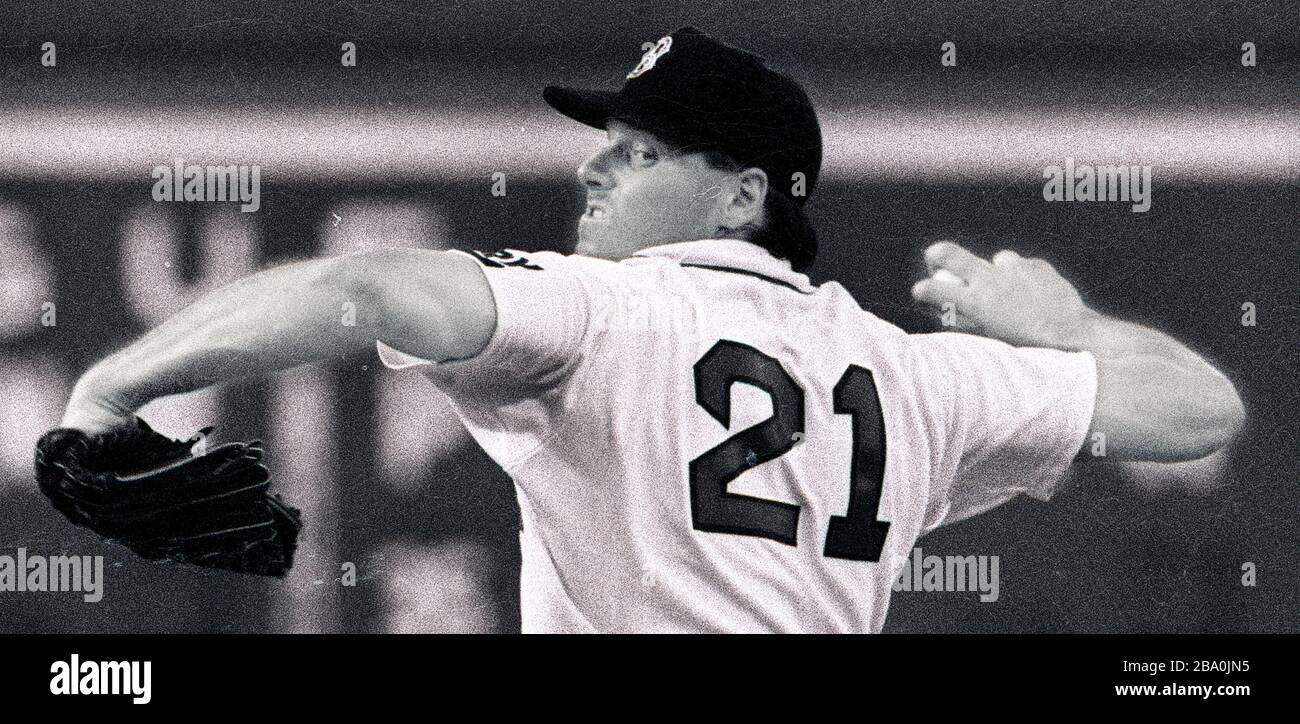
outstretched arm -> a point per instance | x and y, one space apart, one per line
1156 399
428 303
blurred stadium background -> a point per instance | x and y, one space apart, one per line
400 151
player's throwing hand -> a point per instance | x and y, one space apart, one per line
1023 302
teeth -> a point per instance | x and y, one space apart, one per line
596 213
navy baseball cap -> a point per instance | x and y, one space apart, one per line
701 94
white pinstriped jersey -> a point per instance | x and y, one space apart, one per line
701 440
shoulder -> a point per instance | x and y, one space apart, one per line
511 258
508 259
596 275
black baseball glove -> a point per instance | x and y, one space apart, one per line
155 496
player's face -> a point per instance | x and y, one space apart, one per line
642 192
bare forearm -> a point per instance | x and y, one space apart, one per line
276 319
1109 337
1168 401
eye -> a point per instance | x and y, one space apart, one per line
642 155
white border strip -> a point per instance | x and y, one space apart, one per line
354 145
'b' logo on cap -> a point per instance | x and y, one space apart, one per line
652 55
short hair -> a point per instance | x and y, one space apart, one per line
787 233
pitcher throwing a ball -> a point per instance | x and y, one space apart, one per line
701 439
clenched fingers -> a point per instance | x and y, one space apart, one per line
1006 258
938 292
952 257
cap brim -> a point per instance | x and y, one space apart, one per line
589 107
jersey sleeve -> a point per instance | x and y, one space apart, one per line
517 392
542 306
1008 420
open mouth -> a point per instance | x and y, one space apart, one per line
595 212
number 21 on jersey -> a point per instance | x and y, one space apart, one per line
856 536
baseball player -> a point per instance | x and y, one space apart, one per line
701 439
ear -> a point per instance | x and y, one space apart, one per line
745 207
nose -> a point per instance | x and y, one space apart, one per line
594 172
